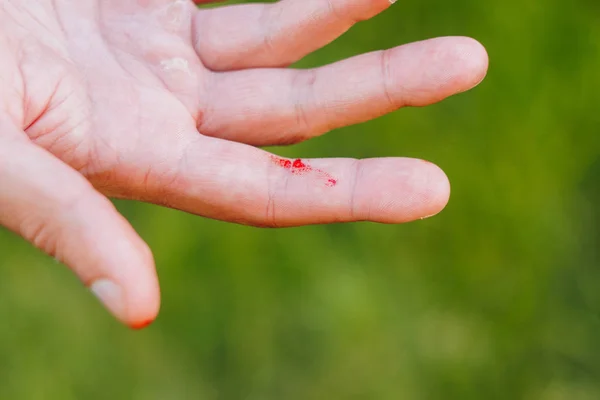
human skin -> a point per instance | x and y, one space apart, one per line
158 101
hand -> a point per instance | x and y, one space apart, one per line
158 101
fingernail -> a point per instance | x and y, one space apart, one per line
110 294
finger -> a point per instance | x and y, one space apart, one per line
277 34
235 182
273 106
57 210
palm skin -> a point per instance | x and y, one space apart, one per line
159 101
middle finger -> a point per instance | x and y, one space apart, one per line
282 106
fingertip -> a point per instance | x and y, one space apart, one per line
134 305
439 68
466 64
472 61
437 191
424 193
399 190
130 291
137 326
143 305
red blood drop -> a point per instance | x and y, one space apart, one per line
297 167
141 325
282 162
299 164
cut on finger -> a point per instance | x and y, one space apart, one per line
239 183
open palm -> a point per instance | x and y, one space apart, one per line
159 101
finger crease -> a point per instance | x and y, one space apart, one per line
353 192
302 98
386 78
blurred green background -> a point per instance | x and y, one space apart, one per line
497 297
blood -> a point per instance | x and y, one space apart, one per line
287 164
141 325
299 167
299 164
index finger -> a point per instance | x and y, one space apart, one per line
236 182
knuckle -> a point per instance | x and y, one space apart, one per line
386 79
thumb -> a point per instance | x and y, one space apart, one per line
57 209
